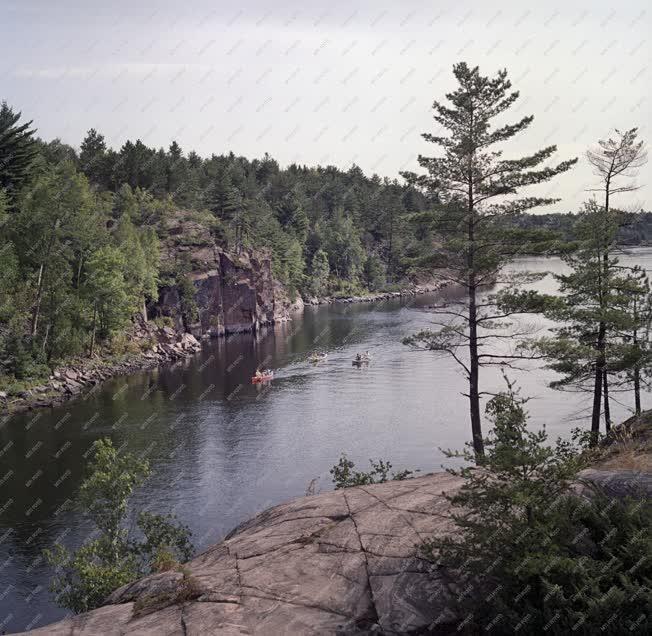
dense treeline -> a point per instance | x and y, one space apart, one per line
634 228
329 230
80 233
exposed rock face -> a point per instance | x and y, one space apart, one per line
233 293
343 562
339 562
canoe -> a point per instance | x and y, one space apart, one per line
359 363
263 378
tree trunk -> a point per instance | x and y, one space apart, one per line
92 347
37 303
79 271
474 361
637 369
607 409
390 247
474 394
597 387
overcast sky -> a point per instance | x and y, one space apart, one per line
336 82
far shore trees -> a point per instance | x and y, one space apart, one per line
477 188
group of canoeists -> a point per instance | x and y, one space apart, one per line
267 374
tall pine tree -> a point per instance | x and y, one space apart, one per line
476 187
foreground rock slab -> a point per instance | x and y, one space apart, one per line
339 562
343 562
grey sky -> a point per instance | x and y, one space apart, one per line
324 82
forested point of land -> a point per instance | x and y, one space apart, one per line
635 229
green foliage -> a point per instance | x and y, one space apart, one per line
187 295
344 475
163 531
603 309
474 193
18 149
88 575
373 273
529 552
108 290
343 245
320 271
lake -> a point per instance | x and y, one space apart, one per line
222 450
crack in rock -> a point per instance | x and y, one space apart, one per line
366 563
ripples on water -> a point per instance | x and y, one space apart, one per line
222 449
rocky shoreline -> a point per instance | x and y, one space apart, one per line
413 290
169 345
81 376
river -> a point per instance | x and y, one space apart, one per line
222 449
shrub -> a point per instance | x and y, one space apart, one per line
163 321
344 475
530 555
85 577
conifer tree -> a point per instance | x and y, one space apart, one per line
92 154
592 310
529 555
615 162
477 188
18 149
636 353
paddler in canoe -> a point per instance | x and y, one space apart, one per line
361 358
261 376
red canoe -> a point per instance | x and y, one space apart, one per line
263 378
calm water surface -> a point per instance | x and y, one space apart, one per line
222 449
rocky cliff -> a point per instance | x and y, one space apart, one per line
233 292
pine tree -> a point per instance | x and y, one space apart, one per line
475 184
636 350
92 155
217 194
591 310
18 149
614 159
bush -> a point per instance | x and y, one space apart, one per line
344 475
345 288
163 321
85 577
533 557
